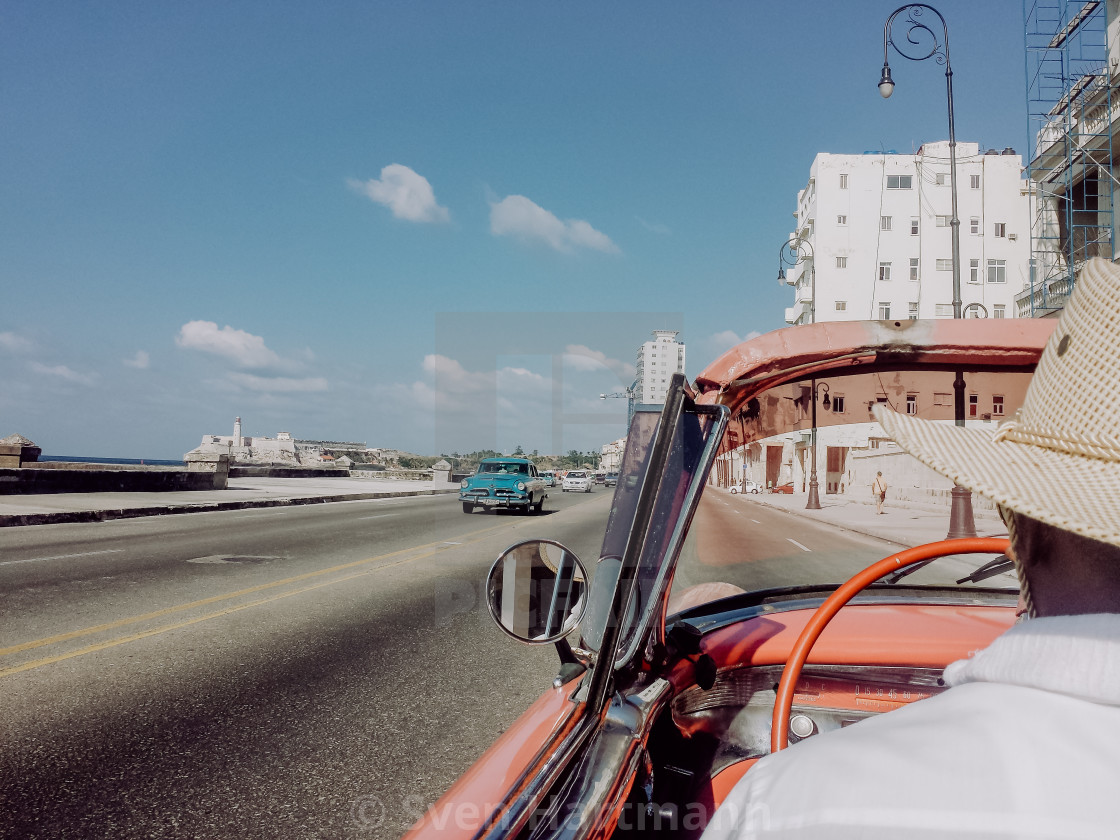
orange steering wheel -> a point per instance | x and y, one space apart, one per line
783 703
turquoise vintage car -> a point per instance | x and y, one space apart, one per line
504 483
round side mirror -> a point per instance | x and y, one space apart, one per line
537 591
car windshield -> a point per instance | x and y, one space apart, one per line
773 539
506 468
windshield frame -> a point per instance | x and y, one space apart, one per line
633 614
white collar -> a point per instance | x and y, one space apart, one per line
1077 655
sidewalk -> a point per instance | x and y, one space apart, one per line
41 509
903 523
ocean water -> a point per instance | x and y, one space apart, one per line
82 460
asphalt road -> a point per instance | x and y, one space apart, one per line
301 672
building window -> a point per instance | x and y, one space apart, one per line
997 271
913 268
945 265
974 181
973 405
884 311
841 262
943 221
913 310
942 399
884 223
899 182
884 272
837 403
943 310
843 181
841 305
1001 229
911 403
999 311
997 405
974 271
974 225
942 179
841 221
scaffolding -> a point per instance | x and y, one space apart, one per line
1070 169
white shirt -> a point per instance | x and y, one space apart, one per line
1025 744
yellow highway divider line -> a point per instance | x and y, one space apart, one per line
473 536
50 660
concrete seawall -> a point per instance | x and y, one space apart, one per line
37 478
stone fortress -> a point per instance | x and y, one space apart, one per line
284 450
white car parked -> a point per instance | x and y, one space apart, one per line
577 480
747 487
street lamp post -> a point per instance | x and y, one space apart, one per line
795 252
918 33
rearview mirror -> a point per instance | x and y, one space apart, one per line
537 591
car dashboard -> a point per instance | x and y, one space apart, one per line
737 711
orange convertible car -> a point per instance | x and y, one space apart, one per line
668 697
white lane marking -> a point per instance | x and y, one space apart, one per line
799 545
62 556
756 522
379 516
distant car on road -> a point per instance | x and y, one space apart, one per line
747 486
783 488
599 478
577 481
504 483
612 479
549 478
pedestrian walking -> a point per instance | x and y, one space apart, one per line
879 491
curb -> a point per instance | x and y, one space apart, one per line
108 514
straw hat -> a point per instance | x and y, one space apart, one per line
1058 461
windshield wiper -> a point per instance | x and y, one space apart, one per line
998 566
994 567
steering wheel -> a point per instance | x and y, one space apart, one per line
783 703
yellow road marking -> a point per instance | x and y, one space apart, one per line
474 536
49 660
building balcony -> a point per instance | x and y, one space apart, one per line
1047 297
798 314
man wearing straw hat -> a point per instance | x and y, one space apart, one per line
1026 743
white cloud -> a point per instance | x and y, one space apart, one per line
459 389
244 349
517 216
279 384
721 342
139 361
14 343
581 357
407 193
63 372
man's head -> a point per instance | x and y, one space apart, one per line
1060 572
1055 469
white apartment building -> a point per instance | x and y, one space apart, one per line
878 244
657 361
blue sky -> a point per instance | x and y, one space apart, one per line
433 226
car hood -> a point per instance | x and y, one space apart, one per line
496 480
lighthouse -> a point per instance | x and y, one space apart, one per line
237 432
